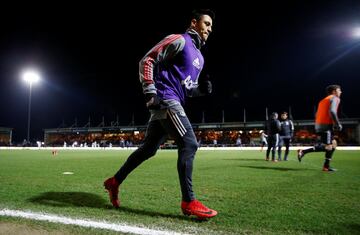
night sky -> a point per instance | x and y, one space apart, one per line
275 55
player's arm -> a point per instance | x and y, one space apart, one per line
291 128
278 125
164 50
334 104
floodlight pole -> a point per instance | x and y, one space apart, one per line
29 112
30 76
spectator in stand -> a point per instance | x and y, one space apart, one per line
263 140
238 141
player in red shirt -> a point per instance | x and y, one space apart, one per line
326 121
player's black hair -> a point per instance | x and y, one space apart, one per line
284 112
274 114
331 88
196 14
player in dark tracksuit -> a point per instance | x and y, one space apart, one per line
286 134
169 73
273 129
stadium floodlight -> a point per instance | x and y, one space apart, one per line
356 33
30 76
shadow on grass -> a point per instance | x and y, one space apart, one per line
66 199
158 214
246 159
353 228
82 199
274 168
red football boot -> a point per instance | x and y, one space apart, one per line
329 169
112 186
198 209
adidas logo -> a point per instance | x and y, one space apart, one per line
196 63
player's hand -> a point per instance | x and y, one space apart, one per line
338 127
152 101
205 86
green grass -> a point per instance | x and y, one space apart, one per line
251 195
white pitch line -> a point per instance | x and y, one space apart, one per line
84 223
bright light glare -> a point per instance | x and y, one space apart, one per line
356 32
31 76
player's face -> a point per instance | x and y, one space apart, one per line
284 116
202 26
338 92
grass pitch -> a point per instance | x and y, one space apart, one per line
252 196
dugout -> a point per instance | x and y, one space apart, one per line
5 136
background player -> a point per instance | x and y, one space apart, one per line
326 121
286 134
273 128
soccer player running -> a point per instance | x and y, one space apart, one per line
326 121
168 73
286 133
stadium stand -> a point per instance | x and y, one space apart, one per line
5 136
208 134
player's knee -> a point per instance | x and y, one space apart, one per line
334 144
148 150
190 147
193 146
329 147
